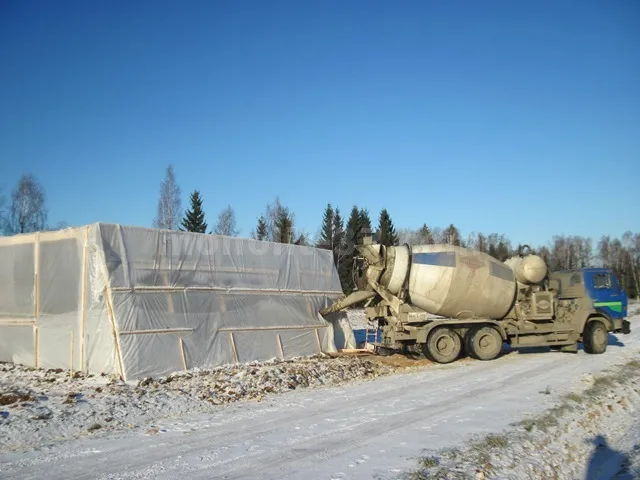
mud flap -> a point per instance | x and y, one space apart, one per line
626 327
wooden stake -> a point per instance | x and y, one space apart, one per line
184 357
84 365
114 330
318 339
36 277
71 356
36 344
233 346
280 345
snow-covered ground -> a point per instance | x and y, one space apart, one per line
360 429
38 407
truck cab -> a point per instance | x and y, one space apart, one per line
594 292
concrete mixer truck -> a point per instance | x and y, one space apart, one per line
445 300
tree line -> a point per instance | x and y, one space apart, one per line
26 212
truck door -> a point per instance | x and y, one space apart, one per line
605 291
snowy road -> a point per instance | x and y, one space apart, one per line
366 430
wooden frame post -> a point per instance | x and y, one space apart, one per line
280 346
36 297
114 329
233 346
318 339
184 357
36 345
71 355
84 365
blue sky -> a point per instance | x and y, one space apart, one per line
515 117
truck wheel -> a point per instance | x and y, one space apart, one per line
443 345
595 338
484 343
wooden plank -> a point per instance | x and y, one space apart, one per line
236 291
159 330
280 345
233 346
16 322
36 277
114 330
23 239
184 357
318 339
36 345
83 304
71 355
283 327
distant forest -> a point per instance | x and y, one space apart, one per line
25 211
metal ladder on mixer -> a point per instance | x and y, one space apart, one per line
370 334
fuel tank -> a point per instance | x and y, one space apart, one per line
451 281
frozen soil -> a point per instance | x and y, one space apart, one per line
40 406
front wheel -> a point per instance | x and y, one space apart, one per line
443 345
595 338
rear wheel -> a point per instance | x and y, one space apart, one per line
595 337
443 345
484 343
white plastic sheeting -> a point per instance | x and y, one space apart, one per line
142 302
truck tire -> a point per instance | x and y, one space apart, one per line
483 343
443 345
595 337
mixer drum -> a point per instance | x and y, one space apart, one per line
459 283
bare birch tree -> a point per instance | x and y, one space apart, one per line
27 212
226 223
280 223
169 203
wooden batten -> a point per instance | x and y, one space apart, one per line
283 327
318 339
114 329
36 277
231 291
36 346
233 346
71 350
184 357
84 365
280 346
157 330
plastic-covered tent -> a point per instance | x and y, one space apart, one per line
140 302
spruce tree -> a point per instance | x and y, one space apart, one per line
353 228
351 236
364 224
326 235
425 235
194 220
262 231
284 227
452 235
386 231
338 236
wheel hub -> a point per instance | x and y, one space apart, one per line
486 342
445 345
